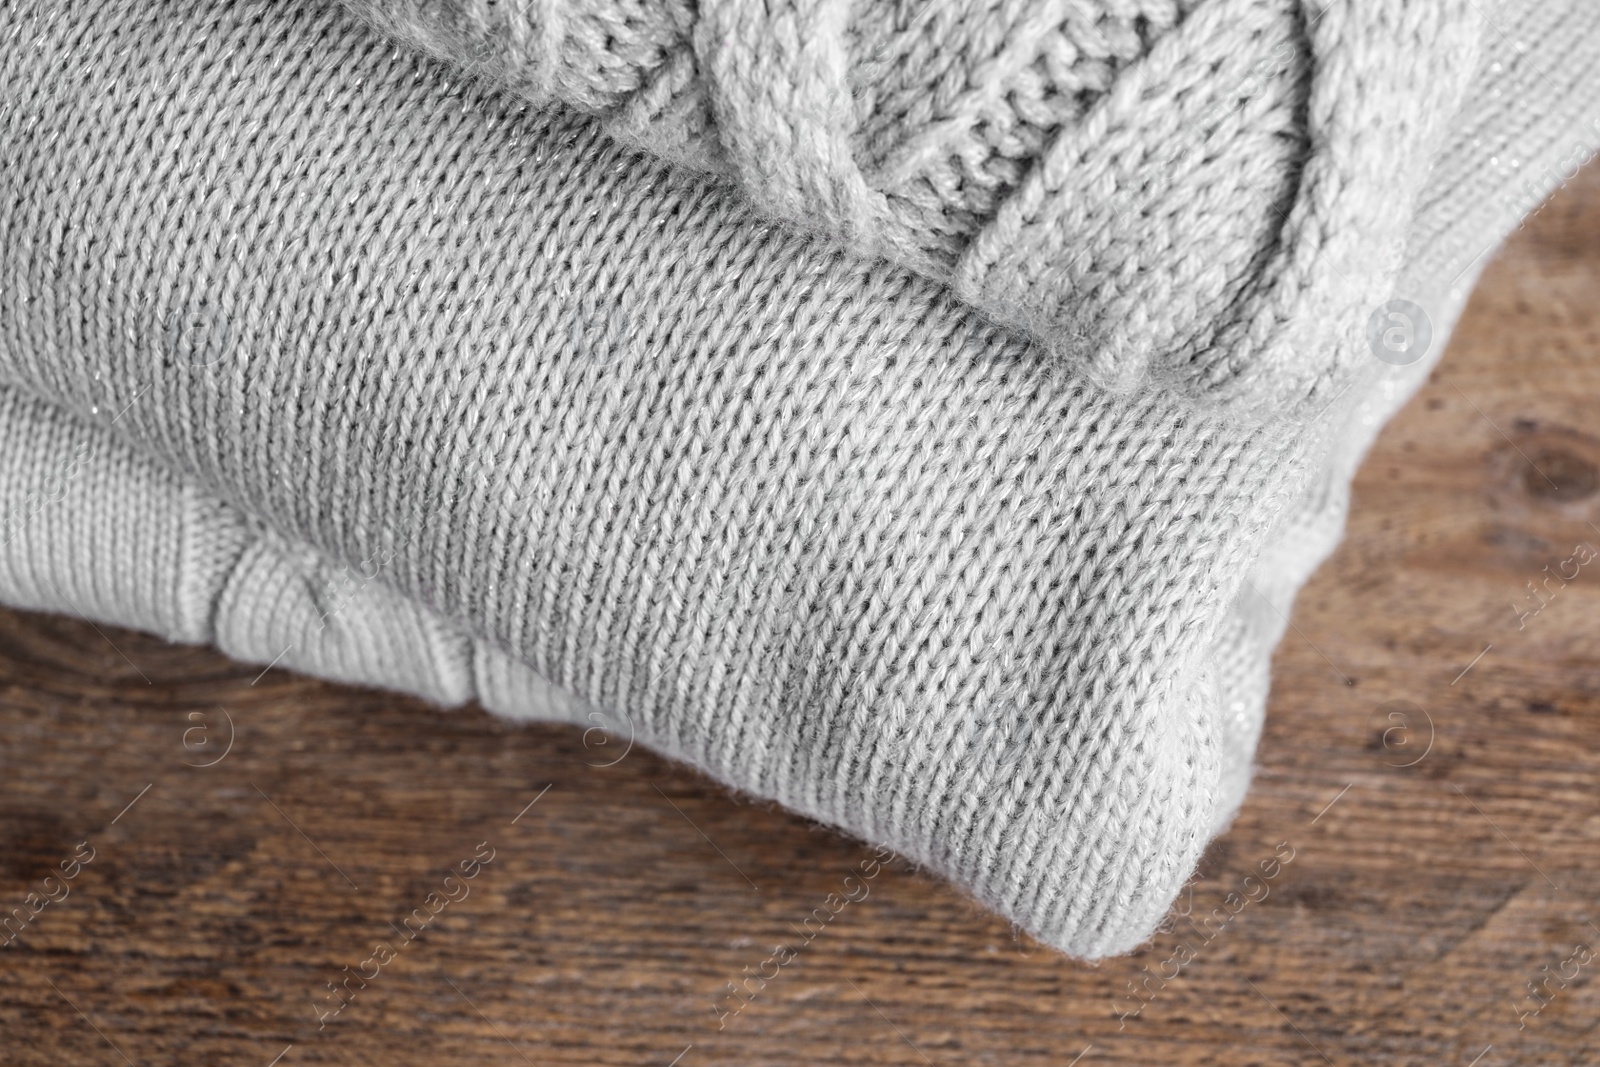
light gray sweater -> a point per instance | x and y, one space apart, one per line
926 428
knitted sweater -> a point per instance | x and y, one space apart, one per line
1152 188
314 349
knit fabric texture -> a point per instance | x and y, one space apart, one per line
1152 189
345 358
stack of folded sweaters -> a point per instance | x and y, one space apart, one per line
922 417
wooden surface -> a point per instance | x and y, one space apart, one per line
1419 904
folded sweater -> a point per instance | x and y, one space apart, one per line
1185 191
314 349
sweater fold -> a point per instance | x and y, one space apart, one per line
320 350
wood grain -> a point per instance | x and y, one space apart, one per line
1419 903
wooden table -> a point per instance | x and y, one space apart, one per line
1420 903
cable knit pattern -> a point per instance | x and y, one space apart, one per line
781 106
907 136
954 107
1150 188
